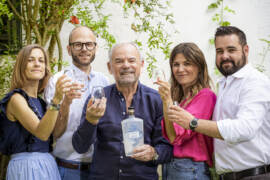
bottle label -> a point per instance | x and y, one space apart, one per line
133 135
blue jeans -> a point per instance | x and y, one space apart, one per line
73 174
185 169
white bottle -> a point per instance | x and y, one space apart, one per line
132 129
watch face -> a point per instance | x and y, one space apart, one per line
194 123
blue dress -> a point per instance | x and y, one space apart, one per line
30 157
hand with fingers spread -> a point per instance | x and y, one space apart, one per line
144 153
180 116
95 110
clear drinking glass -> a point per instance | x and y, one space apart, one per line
98 92
158 73
81 79
77 78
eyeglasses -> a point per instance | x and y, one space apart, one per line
79 45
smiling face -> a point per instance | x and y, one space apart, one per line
230 54
125 65
185 72
35 67
82 57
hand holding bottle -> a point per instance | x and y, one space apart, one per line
144 152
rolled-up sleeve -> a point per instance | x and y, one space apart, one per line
253 107
244 128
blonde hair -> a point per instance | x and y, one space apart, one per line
19 77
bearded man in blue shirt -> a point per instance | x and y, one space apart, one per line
101 122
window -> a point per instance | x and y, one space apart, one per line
11 33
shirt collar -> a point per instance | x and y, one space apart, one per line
242 72
238 74
136 93
79 71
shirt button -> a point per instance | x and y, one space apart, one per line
120 170
122 99
121 157
124 113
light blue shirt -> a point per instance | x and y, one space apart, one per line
63 148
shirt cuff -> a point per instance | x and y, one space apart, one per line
225 130
87 126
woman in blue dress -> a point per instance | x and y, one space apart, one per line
26 126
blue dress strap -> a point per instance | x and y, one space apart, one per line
4 101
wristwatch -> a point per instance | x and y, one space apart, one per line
193 124
53 106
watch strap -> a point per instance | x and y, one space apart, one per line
54 107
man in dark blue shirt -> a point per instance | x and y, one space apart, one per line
101 123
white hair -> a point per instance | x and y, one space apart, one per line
121 44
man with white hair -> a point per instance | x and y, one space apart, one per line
101 122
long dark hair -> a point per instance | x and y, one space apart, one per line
194 55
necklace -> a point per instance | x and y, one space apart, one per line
36 111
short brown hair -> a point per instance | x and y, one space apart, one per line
19 77
194 55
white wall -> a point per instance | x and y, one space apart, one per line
194 23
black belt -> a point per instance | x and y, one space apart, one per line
81 166
245 173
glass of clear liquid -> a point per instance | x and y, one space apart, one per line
158 74
80 79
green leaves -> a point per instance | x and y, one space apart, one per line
229 10
263 54
6 68
219 17
4 10
93 17
152 19
213 6
266 41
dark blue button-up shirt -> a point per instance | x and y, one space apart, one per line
109 160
